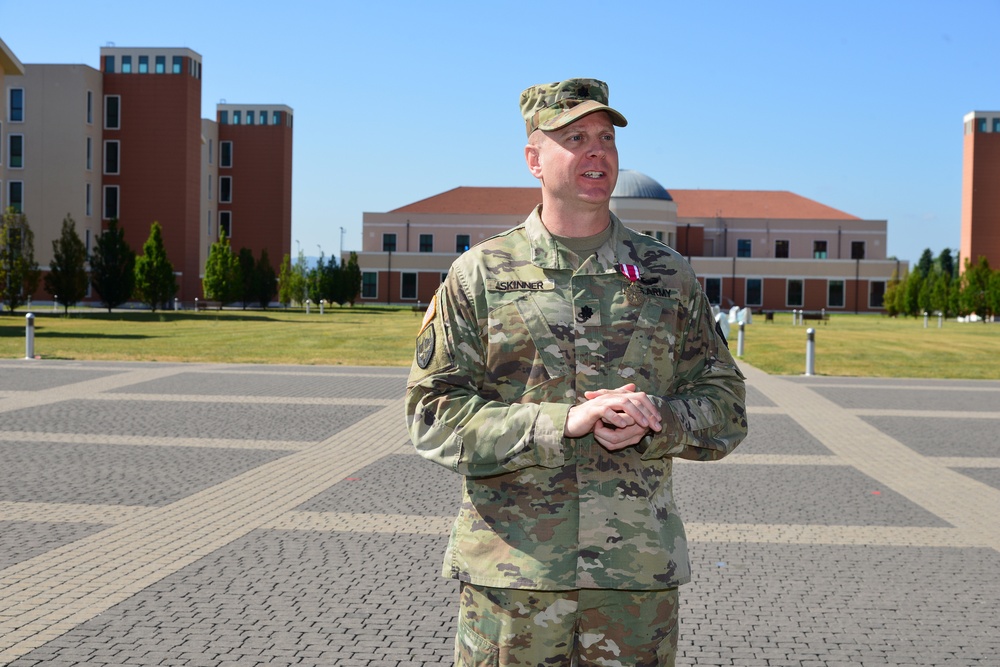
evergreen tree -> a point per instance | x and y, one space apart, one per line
112 267
926 263
911 294
947 264
223 279
993 294
285 293
66 280
890 299
300 279
155 283
975 288
248 277
352 279
19 272
267 282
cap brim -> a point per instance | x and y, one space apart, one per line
578 112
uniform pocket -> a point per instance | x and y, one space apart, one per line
651 355
474 650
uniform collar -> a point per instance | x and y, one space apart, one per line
547 253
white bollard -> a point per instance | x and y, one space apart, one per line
175 304
196 304
308 304
55 304
322 306
29 336
739 340
925 319
810 351
940 318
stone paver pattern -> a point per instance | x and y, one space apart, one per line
211 515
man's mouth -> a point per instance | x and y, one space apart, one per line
593 174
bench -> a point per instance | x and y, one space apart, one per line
823 317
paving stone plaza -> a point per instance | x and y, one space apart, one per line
212 515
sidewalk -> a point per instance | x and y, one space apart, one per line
204 515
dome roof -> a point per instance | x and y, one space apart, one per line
637 185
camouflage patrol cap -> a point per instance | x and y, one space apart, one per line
549 106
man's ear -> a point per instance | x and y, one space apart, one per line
533 159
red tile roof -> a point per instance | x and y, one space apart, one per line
472 200
766 204
773 204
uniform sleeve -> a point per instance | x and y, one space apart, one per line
704 414
450 418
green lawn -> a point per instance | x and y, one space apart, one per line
851 345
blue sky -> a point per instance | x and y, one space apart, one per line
856 104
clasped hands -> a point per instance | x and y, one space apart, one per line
618 418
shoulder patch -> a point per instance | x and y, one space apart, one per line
425 347
429 314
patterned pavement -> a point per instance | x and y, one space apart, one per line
210 515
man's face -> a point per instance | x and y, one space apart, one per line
577 163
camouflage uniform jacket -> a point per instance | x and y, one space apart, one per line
513 338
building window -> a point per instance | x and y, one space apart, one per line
111 150
223 118
857 249
743 247
996 124
177 64
408 286
781 249
461 243
981 124
249 117
90 154
388 243
209 187
110 202
211 151
126 64
426 243
263 118
793 293
835 293
143 64
15 196
755 292
226 224
819 249
15 113
225 153
15 151
225 189
90 203
237 116
276 118
876 294
112 112
90 107
161 64
369 285
713 290
109 64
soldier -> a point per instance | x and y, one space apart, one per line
560 368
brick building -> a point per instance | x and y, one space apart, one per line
128 141
981 188
769 250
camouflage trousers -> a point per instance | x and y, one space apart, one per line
501 627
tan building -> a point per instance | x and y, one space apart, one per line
981 188
769 250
